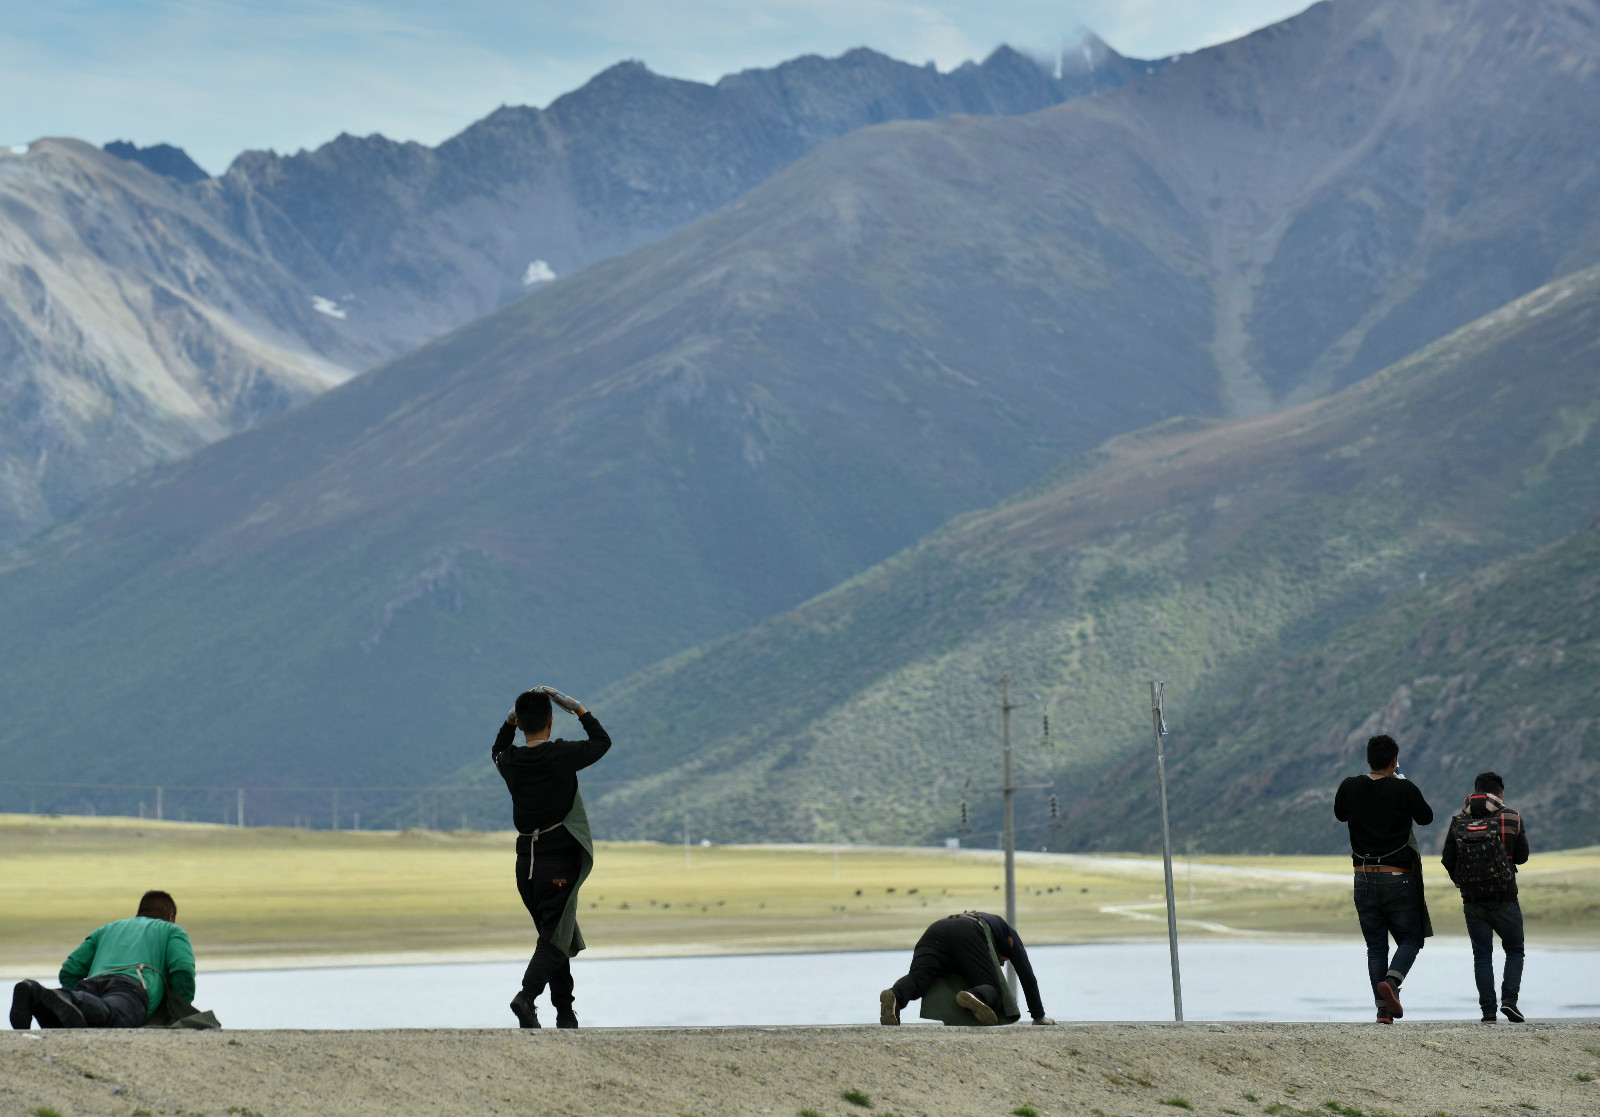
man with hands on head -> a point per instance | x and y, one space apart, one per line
555 852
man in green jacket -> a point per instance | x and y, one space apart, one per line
118 976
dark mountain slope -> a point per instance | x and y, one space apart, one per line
1373 175
1205 554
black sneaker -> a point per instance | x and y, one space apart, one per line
1390 998
888 1007
527 1015
1489 1017
54 1010
973 1004
1383 1016
1512 1013
566 1018
22 1005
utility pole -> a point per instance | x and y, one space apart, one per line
1010 815
1157 698
1010 819
240 819
158 804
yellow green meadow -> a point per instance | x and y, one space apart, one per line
274 892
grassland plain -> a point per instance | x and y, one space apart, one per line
1092 1070
252 895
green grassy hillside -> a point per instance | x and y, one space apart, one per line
1206 554
1494 670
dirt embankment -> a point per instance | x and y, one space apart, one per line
1251 1070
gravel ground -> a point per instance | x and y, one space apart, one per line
1280 1070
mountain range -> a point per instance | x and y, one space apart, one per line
146 309
602 480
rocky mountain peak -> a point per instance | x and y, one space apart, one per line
163 159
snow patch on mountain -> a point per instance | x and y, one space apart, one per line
538 272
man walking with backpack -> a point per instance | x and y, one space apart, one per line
1485 844
1380 808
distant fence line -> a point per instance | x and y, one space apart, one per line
384 806
314 807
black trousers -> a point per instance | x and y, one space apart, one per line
110 1001
547 873
955 944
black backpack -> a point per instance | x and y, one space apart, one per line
1483 870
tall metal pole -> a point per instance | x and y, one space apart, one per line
1010 814
239 820
1010 822
158 804
1156 696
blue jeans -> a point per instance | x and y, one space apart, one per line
1386 904
1484 922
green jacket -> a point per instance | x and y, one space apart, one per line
939 1002
152 951
568 939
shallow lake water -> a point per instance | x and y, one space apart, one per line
1121 981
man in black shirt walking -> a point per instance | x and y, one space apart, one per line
554 850
1380 808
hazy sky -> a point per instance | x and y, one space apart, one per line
220 76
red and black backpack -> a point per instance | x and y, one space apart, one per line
1483 863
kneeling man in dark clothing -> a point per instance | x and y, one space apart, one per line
971 950
1380 808
118 976
554 850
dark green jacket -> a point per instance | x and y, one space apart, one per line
939 1002
153 952
568 938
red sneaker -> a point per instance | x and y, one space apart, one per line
1390 999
